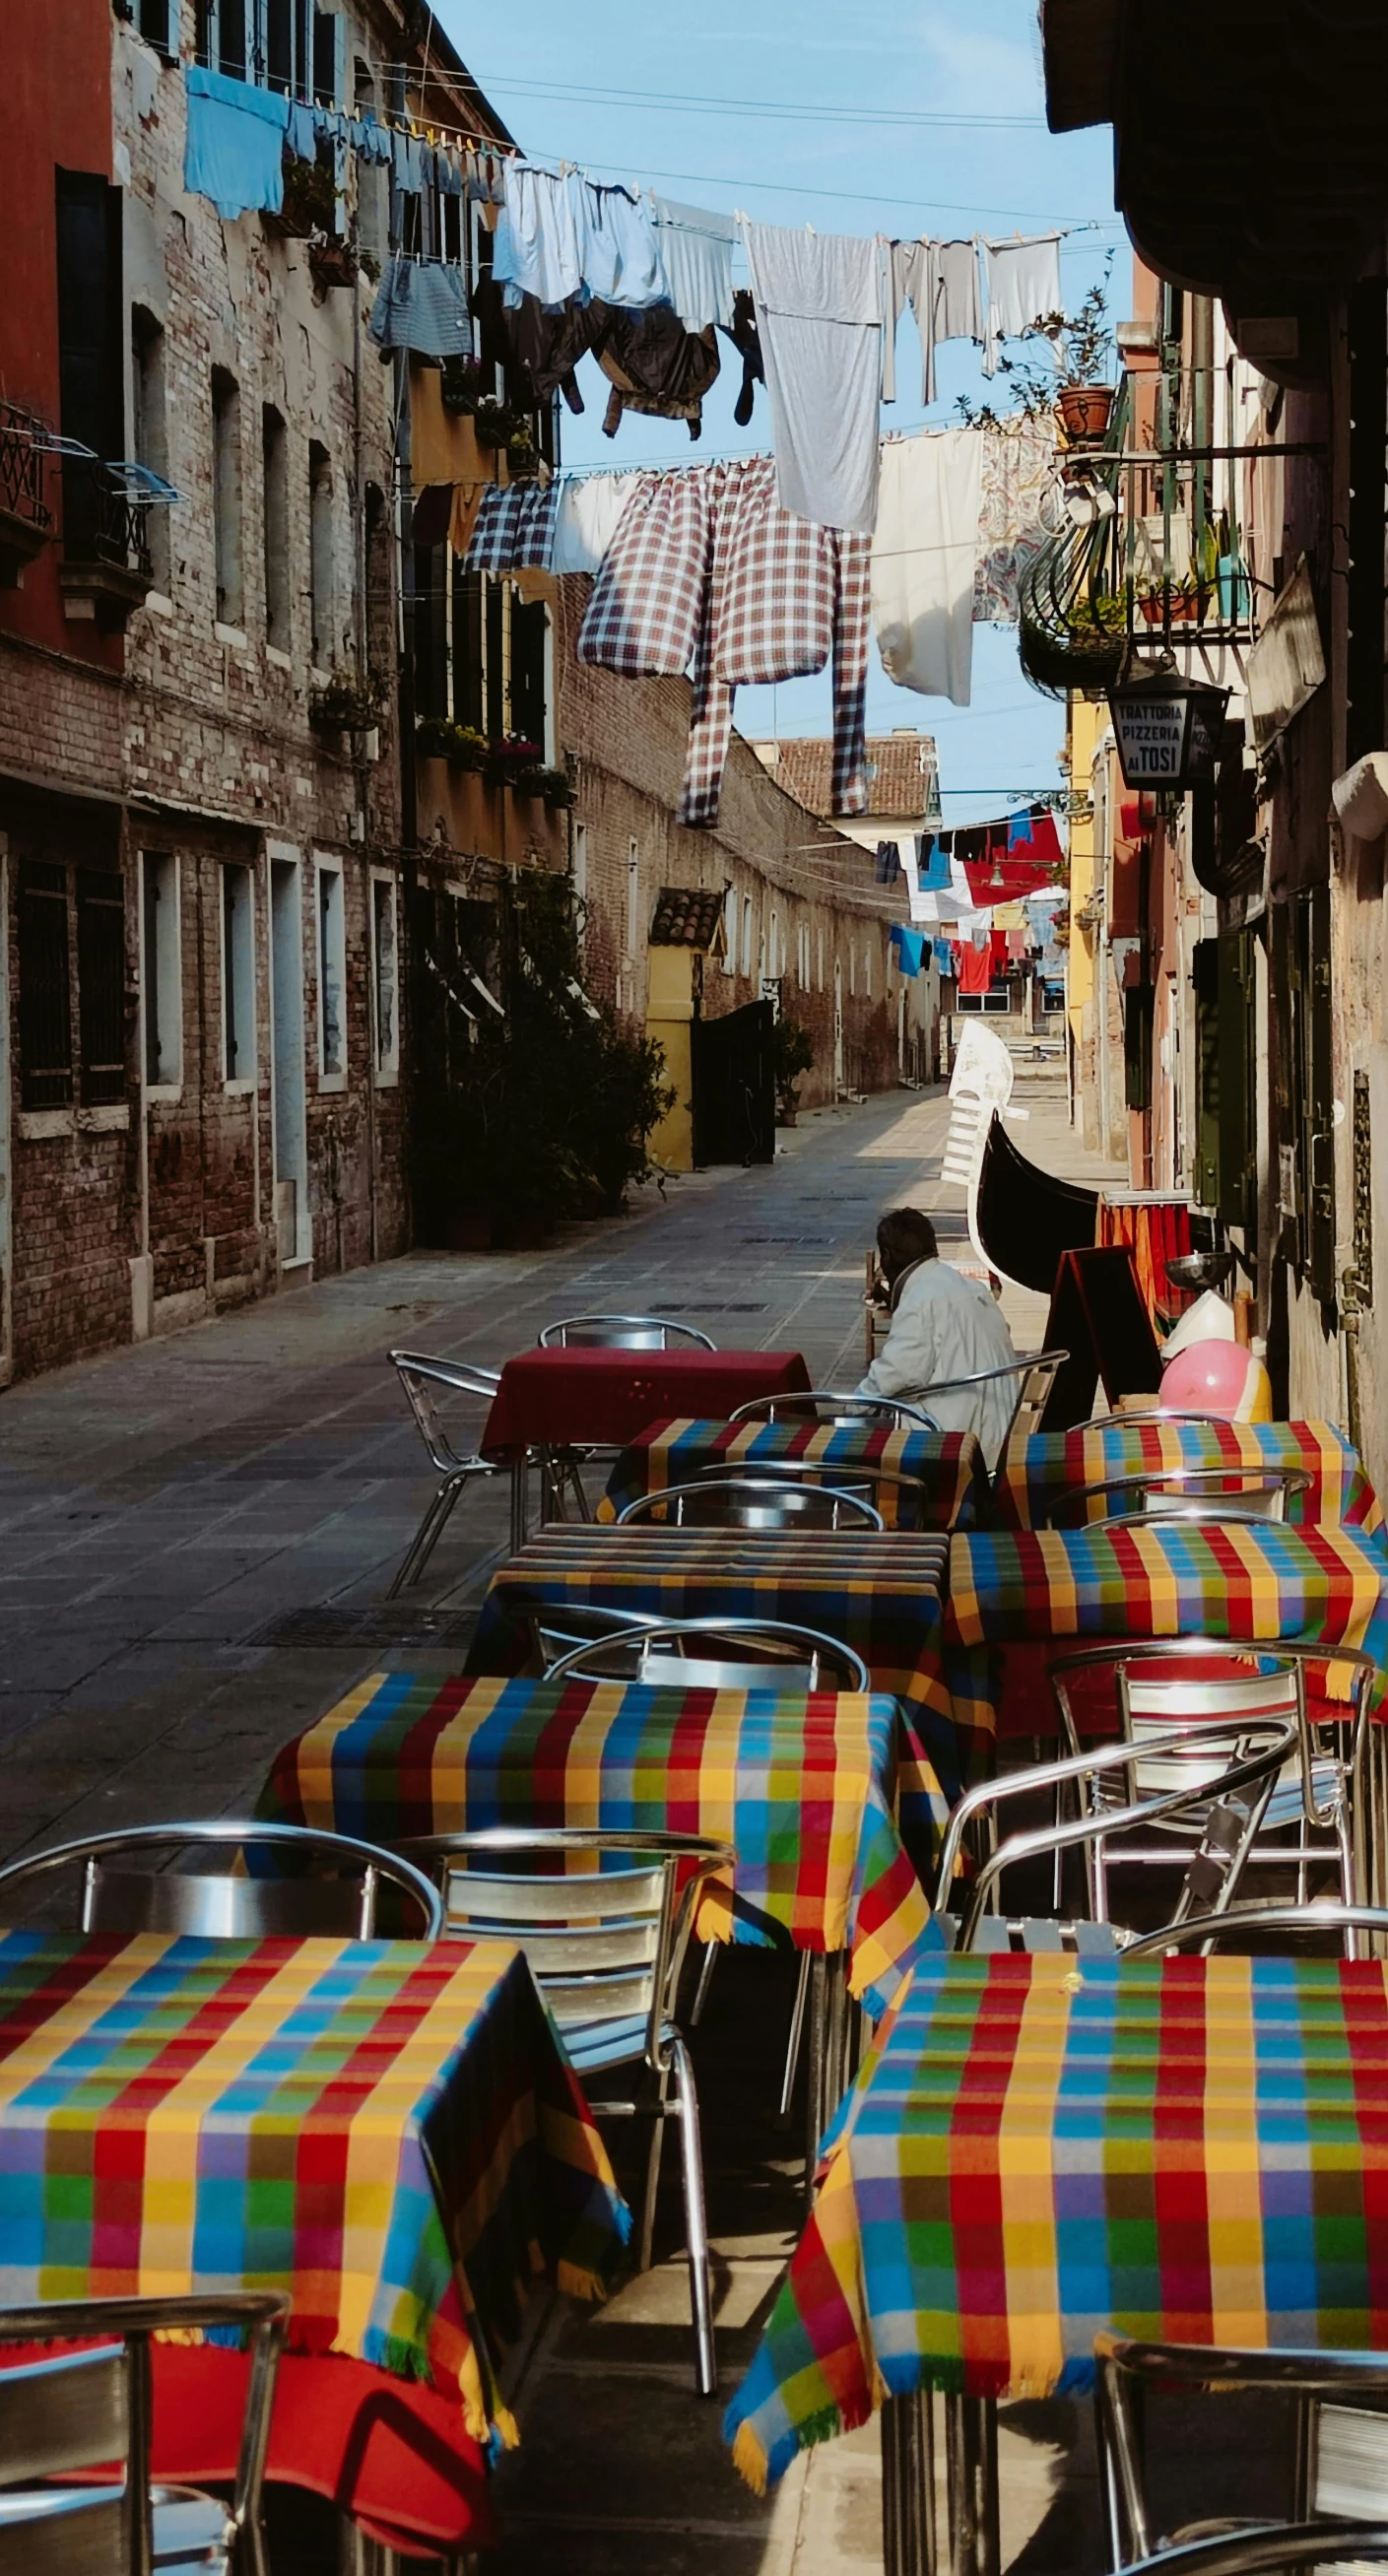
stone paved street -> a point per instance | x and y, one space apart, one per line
171 1517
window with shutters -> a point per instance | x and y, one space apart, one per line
45 1004
238 977
288 45
322 583
385 975
1205 978
1238 1081
332 978
226 497
161 970
153 20
1137 1046
91 353
101 986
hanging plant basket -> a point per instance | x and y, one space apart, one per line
460 386
522 458
349 704
332 263
496 424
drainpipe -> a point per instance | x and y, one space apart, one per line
362 767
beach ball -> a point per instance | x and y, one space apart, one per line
1217 1377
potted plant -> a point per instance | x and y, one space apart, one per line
1072 379
460 385
793 1054
1102 612
349 702
554 785
310 198
508 759
496 424
439 738
522 455
332 262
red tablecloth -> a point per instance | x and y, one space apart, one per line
387 2451
558 1399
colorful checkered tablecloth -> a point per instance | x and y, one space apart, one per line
387 2130
1036 1470
878 1591
1188 2150
803 1787
945 1469
1013 1587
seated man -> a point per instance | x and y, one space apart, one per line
943 1326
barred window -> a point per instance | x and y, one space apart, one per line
101 985
45 998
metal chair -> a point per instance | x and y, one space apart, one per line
1038 1365
774 1655
751 1502
829 1404
1184 1493
419 1375
1229 1787
1339 2451
1204 1495
606 1946
1150 1413
220 1907
620 1333
1322 1791
1358 1923
79 2411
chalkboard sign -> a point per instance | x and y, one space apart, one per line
1099 1315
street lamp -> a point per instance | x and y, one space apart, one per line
1167 728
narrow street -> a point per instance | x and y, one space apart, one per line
198 1537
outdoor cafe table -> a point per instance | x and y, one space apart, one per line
945 1469
387 2130
1037 1468
1018 1600
878 1591
1192 2150
803 1785
559 1398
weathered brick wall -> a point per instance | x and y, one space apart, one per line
629 737
208 736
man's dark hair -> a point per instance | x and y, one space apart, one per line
905 1235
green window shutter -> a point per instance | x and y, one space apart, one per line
1238 1170
1137 1046
1205 977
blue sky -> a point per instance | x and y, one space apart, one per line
924 119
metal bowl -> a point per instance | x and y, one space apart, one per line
1197 1270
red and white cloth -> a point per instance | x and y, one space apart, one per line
707 568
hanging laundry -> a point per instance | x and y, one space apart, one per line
538 248
1023 280
934 861
944 955
373 141
819 303
1017 945
975 966
432 515
911 277
958 312
696 254
590 512
888 863
910 948
407 162
655 366
997 950
923 562
706 567
484 177
234 147
302 131
1019 484
547 345
515 529
620 251
746 340
421 304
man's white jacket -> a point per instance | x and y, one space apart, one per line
945 1325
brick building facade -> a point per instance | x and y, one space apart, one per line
203 896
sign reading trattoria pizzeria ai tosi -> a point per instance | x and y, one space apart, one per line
1167 729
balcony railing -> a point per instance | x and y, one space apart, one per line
106 561
26 521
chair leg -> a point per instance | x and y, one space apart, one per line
908 2485
643 2263
427 1536
695 2222
710 1962
797 2033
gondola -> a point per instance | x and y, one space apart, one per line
1024 1219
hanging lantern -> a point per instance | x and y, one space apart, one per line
1167 728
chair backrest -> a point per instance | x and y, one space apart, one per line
832 1404
1234 1758
421 1376
620 1333
718 1654
1030 1368
120 1896
1122 1420
79 2411
752 1503
1190 1493
1355 1924
605 1943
